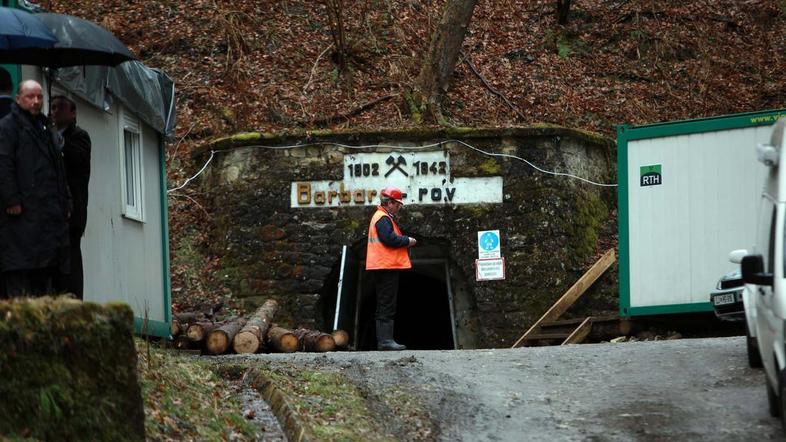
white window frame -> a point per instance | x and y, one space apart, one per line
135 209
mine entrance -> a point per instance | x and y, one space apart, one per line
424 314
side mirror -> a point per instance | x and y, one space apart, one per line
752 267
736 255
767 154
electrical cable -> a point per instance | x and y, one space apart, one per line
212 154
426 146
504 155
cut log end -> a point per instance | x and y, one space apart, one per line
282 339
288 343
217 342
246 342
195 333
325 343
341 338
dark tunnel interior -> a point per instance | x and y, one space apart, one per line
422 314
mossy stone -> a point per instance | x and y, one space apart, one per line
69 371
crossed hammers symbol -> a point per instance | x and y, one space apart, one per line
396 165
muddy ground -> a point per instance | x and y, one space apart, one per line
689 389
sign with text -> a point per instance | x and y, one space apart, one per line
488 244
490 269
650 175
423 177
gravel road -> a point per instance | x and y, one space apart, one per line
689 389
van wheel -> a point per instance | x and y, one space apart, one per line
754 357
772 398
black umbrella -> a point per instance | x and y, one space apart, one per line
79 43
22 30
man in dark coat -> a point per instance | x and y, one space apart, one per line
76 154
34 198
6 86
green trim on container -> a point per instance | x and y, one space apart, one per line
685 127
695 307
625 134
16 75
165 239
622 221
154 328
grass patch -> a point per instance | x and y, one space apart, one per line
186 400
331 406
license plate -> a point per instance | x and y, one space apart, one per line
723 299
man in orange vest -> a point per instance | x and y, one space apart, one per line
386 255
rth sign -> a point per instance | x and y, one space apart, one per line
651 176
423 177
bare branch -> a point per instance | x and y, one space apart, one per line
491 88
314 68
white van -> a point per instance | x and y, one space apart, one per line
764 272
749 311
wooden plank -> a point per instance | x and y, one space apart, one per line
562 323
576 321
547 336
573 293
580 334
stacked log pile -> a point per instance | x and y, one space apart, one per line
253 334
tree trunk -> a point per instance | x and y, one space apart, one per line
198 331
563 9
250 338
335 9
341 338
282 339
314 340
219 340
434 79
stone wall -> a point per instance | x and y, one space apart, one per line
551 226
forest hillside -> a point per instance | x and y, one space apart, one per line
270 65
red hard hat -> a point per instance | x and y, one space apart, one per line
393 193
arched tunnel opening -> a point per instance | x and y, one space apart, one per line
425 311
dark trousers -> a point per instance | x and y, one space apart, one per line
72 282
386 284
32 282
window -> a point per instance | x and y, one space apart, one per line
132 177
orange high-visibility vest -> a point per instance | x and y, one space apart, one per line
378 255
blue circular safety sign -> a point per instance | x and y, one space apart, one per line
489 241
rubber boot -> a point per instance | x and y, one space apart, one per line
385 340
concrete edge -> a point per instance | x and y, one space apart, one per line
291 422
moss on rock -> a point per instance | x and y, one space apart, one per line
68 371
490 167
585 224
